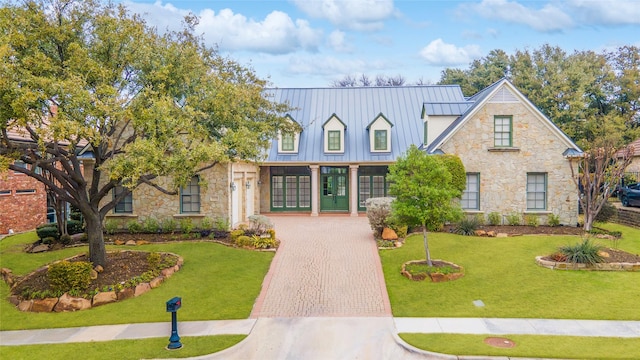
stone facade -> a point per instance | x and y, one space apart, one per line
23 202
536 148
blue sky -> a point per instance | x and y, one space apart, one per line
310 43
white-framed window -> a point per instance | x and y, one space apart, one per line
380 139
124 206
536 191
380 134
503 131
190 197
25 191
471 196
334 138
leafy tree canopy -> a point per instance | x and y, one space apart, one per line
89 75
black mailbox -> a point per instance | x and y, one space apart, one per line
174 304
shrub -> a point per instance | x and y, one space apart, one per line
66 276
169 225
386 243
243 240
259 224
558 257
134 227
151 225
186 225
480 219
378 213
259 242
532 220
110 226
553 220
48 240
513 219
206 224
494 218
76 215
607 212
50 231
234 234
585 252
456 168
221 224
467 226
65 239
74 227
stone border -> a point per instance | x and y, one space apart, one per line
435 277
549 264
67 303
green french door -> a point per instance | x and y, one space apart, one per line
334 189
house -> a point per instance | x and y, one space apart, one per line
633 170
23 202
517 160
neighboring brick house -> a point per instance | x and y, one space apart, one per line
23 202
517 160
633 170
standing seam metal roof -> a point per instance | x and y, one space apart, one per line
357 107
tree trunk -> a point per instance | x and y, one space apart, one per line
426 245
588 221
97 250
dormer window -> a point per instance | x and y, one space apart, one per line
288 142
334 130
380 134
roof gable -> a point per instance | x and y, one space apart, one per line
377 118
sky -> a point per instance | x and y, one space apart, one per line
312 43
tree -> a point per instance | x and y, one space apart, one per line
364 81
424 192
89 75
595 174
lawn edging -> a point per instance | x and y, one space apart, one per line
549 264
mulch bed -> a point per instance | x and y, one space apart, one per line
613 256
526 230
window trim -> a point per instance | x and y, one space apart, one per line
5 192
510 131
289 140
380 145
466 191
546 192
339 139
195 178
127 200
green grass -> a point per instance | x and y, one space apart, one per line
123 349
530 346
216 282
503 274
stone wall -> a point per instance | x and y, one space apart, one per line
503 172
21 211
629 217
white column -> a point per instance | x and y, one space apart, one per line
315 191
353 196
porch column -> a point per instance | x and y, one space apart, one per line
353 197
315 191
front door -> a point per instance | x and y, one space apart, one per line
334 194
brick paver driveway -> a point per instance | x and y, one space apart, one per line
325 266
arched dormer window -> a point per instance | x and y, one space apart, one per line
380 134
334 130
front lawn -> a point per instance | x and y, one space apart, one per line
503 274
216 282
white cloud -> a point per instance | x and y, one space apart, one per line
362 15
440 53
277 33
337 41
549 18
606 12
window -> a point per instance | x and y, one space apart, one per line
5 192
380 137
334 140
21 164
124 206
290 188
502 126
190 197
536 191
26 191
372 183
287 142
471 195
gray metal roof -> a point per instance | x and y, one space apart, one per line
357 107
452 108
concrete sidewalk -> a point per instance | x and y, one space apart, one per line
340 327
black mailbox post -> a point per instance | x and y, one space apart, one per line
172 306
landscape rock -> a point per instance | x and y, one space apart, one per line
168 272
156 282
7 276
491 234
94 274
13 299
102 298
125 294
25 305
98 268
70 303
44 305
480 233
502 235
130 243
141 289
142 242
40 248
389 234
118 242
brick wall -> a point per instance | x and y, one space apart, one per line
23 202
